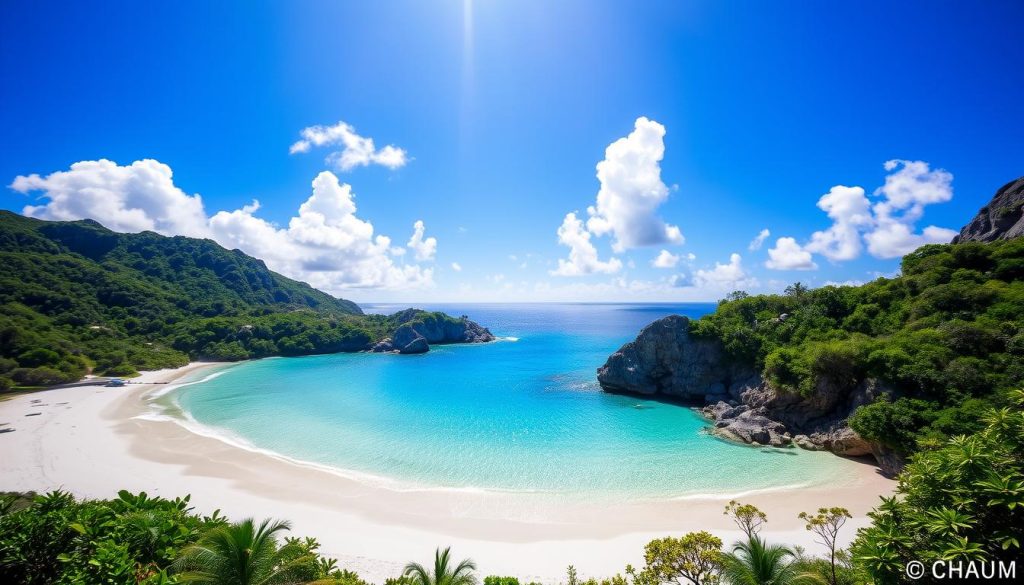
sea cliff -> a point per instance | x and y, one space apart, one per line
667 360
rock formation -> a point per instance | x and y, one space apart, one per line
1001 219
419 329
666 360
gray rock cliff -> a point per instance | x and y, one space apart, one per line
1001 219
666 360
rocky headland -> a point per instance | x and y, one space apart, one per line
667 361
417 330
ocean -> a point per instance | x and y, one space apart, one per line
522 414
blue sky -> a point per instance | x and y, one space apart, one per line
498 112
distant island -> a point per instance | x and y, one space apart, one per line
77 298
883 369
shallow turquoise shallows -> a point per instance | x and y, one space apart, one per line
521 414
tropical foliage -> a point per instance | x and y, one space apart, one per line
443 571
964 501
135 538
946 338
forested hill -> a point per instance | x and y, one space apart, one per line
76 297
143 271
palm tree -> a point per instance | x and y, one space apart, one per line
756 563
238 554
443 574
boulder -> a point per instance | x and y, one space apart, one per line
418 345
409 340
384 345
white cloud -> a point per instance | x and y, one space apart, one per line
134 198
356 150
725 276
906 193
423 249
665 259
691 256
758 241
850 212
456 267
632 189
888 226
582 253
325 244
788 255
892 239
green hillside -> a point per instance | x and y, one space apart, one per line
946 337
76 297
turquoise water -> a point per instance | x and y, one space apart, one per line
521 414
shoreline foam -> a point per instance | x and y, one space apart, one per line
96 444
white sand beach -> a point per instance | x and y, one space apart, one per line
91 441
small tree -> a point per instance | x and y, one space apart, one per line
573 579
797 289
696 557
747 517
826 524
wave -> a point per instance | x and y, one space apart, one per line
740 494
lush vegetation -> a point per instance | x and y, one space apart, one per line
963 501
76 297
946 338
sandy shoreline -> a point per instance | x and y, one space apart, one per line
91 441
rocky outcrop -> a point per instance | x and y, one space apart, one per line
418 330
666 360
1001 219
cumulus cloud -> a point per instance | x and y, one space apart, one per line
887 226
850 212
583 257
423 249
758 241
134 198
789 255
906 192
324 244
665 259
456 267
725 276
356 150
632 189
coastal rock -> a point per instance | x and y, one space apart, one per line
440 328
1002 218
408 340
805 442
384 345
753 427
419 329
666 360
